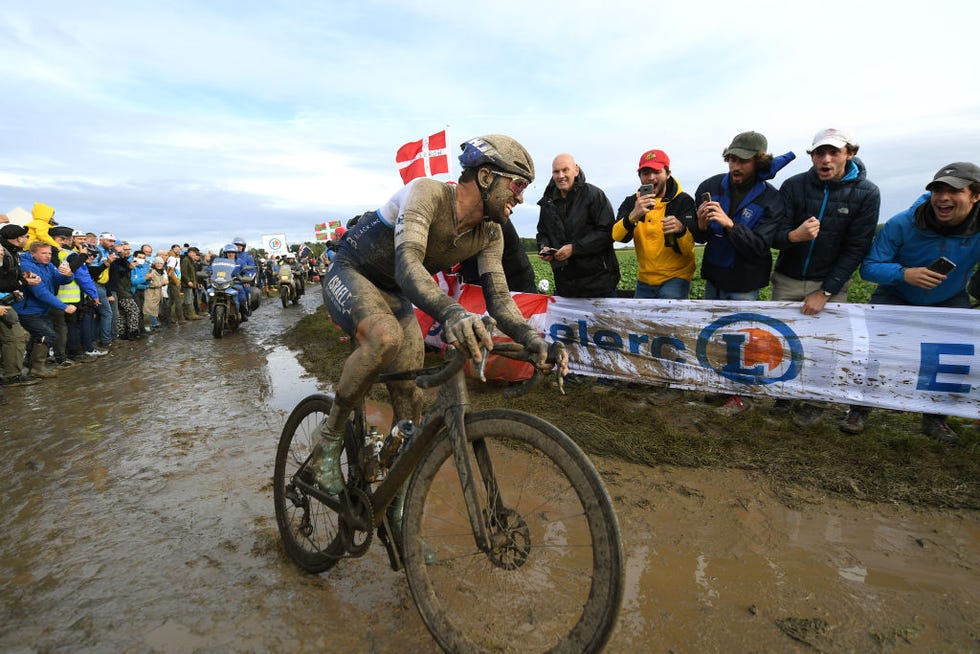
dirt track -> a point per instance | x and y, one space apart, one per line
139 517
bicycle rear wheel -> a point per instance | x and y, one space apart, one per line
309 529
553 580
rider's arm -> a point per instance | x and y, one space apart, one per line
500 303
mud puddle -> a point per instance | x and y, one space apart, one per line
137 517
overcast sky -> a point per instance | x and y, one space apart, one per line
200 120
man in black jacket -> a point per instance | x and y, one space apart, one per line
13 337
575 233
830 221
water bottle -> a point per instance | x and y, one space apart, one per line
400 434
373 444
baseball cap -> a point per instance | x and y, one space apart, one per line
107 236
10 230
77 232
838 138
656 159
746 145
61 231
958 175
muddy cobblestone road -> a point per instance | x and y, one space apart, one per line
137 517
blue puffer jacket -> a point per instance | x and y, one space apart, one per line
848 213
740 259
137 276
906 242
43 297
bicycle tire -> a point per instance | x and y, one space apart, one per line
565 595
308 528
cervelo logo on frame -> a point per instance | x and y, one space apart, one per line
747 348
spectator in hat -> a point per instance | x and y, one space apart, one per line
67 325
189 283
574 233
737 226
905 261
153 294
39 299
830 220
659 219
175 289
13 337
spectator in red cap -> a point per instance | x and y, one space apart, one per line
659 219
574 233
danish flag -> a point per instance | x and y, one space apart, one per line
423 158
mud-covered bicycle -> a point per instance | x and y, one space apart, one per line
506 534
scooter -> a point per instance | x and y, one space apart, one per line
223 297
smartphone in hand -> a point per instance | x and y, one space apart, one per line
705 197
942 265
646 189
548 251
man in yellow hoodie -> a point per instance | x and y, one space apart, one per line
659 218
41 222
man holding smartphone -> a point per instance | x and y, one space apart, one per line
659 219
574 222
738 213
923 257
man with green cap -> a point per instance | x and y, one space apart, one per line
737 225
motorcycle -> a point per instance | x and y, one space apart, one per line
291 286
223 297
248 277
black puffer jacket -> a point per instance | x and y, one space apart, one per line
584 218
10 269
848 213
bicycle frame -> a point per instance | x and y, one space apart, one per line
449 412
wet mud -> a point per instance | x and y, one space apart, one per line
137 517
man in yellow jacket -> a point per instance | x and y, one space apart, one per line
659 218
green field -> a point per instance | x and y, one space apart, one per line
859 290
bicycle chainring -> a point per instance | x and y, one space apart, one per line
354 525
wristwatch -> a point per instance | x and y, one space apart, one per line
827 293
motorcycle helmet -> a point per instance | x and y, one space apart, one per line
498 151
238 240
230 247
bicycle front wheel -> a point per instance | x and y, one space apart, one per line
553 577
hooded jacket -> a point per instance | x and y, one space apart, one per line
848 213
909 241
41 222
739 259
656 263
584 218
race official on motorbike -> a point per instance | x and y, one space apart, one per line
384 265
230 251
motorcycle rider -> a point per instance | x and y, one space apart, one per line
247 261
230 251
384 265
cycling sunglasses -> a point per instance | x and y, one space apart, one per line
517 183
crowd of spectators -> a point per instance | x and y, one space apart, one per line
66 296
822 222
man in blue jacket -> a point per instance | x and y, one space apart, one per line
923 257
38 301
830 221
737 225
